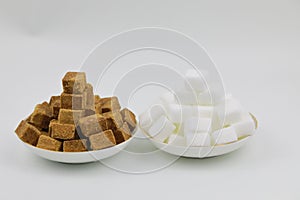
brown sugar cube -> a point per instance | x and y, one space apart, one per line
110 104
41 115
114 120
72 101
53 121
75 145
126 127
46 142
98 108
129 117
97 99
74 82
78 134
28 133
55 105
92 124
89 96
122 134
98 104
89 100
67 116
63 131
28 118
47 133
88 112
102 140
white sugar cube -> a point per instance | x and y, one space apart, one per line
194 81
185 97
231 112
196 124
198 139
216 124
147 118
179 129
205 98
177 113
245 127
225 135
176 140
157 110
161 129
202 111
167 98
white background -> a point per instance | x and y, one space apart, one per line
255 45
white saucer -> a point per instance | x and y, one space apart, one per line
200 152
78 157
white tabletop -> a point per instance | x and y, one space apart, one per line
255 46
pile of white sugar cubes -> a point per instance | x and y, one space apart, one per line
187 117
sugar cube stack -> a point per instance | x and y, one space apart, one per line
77 120
189 117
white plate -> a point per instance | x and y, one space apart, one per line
78 157
201 152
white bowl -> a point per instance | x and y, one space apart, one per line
78 157
201 151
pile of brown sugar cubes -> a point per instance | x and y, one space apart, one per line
77 120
